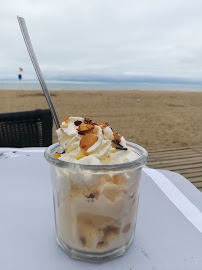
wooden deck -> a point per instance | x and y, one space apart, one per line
186 161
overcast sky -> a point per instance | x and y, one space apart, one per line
103 39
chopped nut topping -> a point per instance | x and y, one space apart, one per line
77 123
89 126
88 140
66 119
87 120
121 148
117 136
102 125
105 124
57 155
85 128
89 134
115 141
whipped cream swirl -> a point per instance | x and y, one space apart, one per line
85 142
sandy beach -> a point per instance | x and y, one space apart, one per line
153 119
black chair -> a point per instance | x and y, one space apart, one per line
26 129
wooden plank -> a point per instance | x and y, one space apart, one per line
177 167
174 162
183 171
186 161
193 180
175 149
193 174
176 157
177 161
170 156
173 153
198 184
173 159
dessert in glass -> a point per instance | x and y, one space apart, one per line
95 178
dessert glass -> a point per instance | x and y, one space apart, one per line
95 206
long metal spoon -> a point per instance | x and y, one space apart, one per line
32 55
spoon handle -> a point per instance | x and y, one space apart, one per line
32 55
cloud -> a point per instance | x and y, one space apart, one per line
82 39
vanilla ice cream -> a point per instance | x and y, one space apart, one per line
95 209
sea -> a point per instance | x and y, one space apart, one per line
64 85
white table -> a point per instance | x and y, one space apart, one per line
168 233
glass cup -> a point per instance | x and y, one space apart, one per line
95 206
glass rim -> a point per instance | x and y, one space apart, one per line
48 154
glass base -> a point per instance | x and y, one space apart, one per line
94 257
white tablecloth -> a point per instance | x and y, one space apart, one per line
166 237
